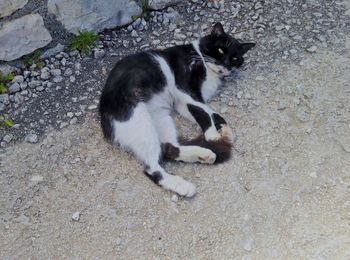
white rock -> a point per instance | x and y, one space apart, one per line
57 79
174 198
313 174
52 51
6 69
7 7
160 4
68 72
92 107
93 15
31 138
15 87
76 216
248 244
56 72
18 79
37 178
22 36
8 138
312 49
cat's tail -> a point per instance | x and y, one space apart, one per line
222 148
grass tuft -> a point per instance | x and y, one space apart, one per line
146 8
3 80
84 41
33 58
6 121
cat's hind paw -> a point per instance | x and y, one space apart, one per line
178 185
196 154
226 133
209 158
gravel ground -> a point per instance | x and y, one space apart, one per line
284 194
67 88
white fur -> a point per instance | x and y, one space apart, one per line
178 185
196 154
143 141
213 78
212 134
152 124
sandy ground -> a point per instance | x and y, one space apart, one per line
285 194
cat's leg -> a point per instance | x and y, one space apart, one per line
212 124
139 135
173 150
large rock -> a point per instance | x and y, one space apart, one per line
160 4
22 36
7 7
93 15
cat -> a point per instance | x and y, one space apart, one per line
143 90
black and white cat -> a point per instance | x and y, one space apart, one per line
144 89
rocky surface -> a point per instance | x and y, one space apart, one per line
9 7
48 97
22 36
160 4
93 15
284 194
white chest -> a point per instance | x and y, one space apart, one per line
210 85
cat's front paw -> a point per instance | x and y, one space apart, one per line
178 185
226 133
212 134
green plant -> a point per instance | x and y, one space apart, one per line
146 8
134 18
3 81
84 41
3 88
6 121
33 58
40 64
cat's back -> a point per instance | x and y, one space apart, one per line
139 70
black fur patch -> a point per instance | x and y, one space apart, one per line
202 117
188 69
218 121
170 152
156 176
225 49
134 79
221 148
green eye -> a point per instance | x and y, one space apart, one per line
221 51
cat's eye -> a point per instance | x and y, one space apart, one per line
234 58
221 51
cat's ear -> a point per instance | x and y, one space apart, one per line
218 30
247 46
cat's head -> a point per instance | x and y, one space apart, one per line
223 52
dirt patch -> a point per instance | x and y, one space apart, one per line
284 194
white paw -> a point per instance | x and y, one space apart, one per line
226 133
212 134
206 156
196 154
178 185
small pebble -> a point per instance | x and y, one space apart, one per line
312 49
76 216
174 198
92 107
37 178
248 244
31 138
